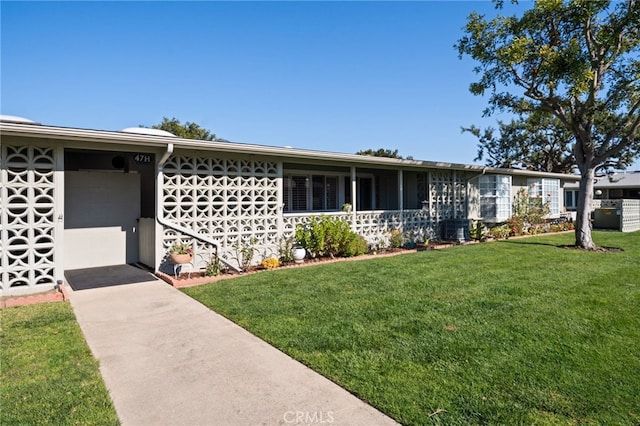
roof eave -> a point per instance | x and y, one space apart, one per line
105 136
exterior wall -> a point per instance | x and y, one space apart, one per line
473 199
447 195
630 215
233 200
228 200
517 183
375 226
30 176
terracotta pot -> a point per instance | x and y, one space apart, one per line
180 258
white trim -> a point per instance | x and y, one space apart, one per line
59 213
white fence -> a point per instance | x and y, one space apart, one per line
376 225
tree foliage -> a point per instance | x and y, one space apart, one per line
537 142
382 152
576 60
187 130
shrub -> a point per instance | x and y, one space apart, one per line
328 237
500 231
396 239
477 231
245 251
285 250
270 263
214 267
528 212
516 225
356 246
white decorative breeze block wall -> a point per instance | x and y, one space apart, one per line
630 215
448 195
234 201
374 226
27 219
629 212
228 200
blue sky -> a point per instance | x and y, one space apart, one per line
333 76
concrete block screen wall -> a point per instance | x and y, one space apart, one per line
27 219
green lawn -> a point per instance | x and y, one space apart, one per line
513 332
47 373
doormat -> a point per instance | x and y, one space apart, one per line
106 276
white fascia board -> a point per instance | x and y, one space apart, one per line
533 173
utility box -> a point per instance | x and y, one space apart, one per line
456 230
606 218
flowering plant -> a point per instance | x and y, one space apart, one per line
270 263
181 248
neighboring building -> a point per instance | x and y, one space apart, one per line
621 185
77 198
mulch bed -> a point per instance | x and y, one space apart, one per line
198 278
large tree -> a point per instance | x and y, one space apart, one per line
187 130
577 60
537 142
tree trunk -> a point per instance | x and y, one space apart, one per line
583 216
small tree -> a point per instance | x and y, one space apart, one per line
187 130
528 212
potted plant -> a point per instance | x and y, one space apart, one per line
180 253
410 240
299 253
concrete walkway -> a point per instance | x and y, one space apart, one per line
168 360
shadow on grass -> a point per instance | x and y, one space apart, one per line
602 249
532 243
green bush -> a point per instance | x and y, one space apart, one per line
396 239
330 237
356 246
285 250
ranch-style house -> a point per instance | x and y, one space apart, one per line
77 198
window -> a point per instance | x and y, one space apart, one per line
298 193
495 197
310 193
325 192
570 199
365 201
547 190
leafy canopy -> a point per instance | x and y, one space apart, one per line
578 61
534 142
187 130
382 152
